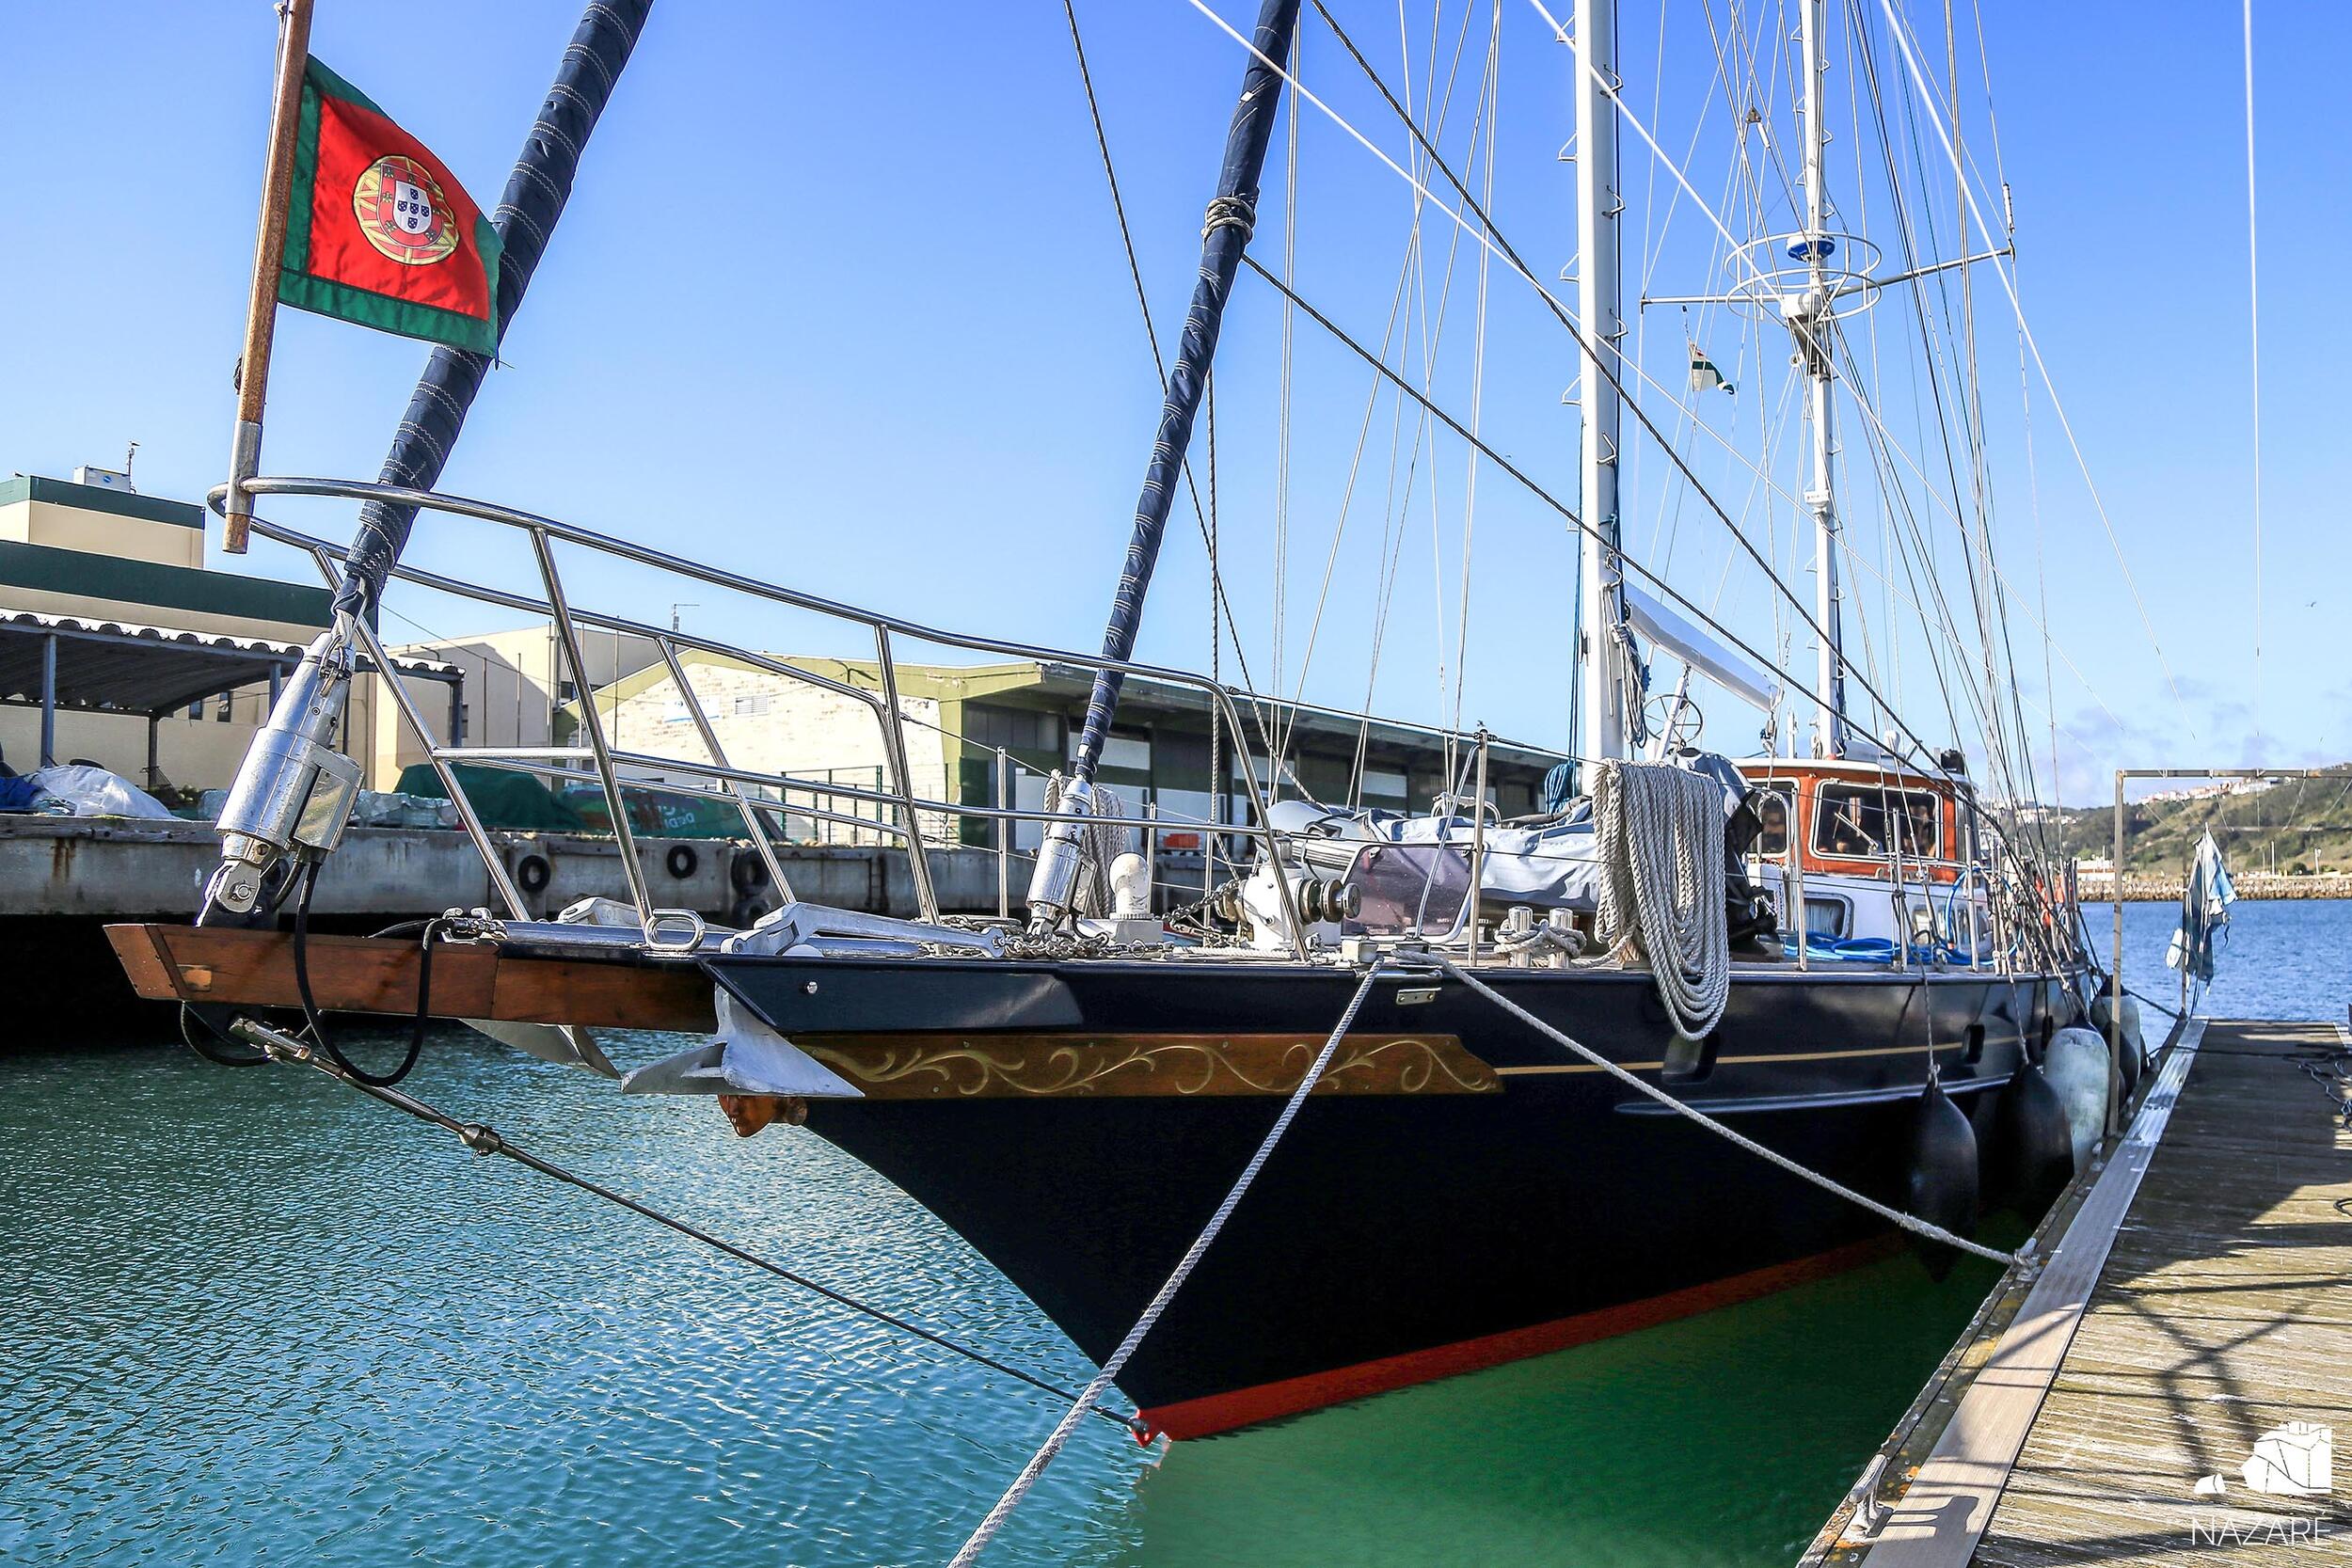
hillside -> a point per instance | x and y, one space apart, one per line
2306 824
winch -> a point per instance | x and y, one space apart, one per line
295 791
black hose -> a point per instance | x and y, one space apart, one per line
189 1014
310 1003
404 928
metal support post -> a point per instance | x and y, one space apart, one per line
49 699
1004 835
1478 841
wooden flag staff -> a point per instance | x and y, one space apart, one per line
261 313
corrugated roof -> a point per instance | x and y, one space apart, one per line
122 666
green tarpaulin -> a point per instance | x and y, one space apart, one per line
655 812
500 799
520 802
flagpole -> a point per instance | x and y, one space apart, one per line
260 311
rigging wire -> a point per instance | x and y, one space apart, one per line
1204 517
1491 237
2057 405
1491 108
486 1140
2033 481
1665 588
1486 237
1510 256
1282 405
2254 360
1681 179
1567 323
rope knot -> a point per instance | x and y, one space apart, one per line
1231 212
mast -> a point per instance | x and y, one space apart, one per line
1811 321
1231 215
1601 659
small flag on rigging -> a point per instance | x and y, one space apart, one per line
1705 378
379 231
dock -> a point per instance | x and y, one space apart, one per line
2166 1390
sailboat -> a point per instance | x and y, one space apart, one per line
1835 954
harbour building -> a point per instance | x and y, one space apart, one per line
980 734
120 646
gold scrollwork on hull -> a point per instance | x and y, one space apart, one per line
1177 1066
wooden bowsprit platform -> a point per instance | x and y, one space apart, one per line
2199 1303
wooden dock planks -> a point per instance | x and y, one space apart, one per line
2224 1311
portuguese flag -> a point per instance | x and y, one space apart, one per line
379 231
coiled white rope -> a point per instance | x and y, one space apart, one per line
1912 1223
1118 1359
1661 842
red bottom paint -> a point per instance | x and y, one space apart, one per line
1216 1413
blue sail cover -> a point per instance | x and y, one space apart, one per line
2205 914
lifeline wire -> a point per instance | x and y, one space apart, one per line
1912 1223
986 1531
488 1140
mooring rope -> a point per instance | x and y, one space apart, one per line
986 1531
280 1046
1660 831
1912 1223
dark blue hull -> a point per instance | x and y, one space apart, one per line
1398 1236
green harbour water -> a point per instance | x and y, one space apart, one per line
251 1317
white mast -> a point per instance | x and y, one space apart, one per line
1811 321
1597 306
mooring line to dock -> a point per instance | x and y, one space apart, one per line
986 1530
482 1139
1912 1223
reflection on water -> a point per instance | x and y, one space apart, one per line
250 1315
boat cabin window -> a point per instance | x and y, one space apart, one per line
1827 918
1771 798
1409 887
1871 822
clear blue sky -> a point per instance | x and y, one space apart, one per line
839 301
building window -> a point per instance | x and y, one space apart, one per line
1876 823
221 711
1382 784
1012 729
746 707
